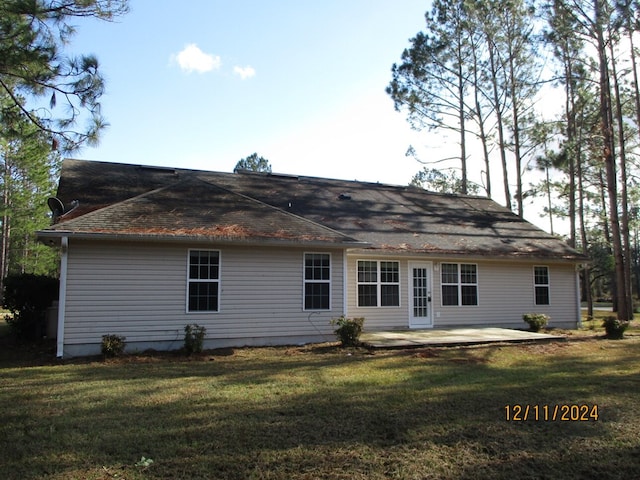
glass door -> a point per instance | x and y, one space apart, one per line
420 295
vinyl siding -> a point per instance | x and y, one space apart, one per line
505 293
139 291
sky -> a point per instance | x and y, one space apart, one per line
204 83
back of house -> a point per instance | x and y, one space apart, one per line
268 259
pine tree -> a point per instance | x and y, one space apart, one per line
33 67
28 168
253 163
432 82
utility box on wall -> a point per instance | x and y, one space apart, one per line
52 321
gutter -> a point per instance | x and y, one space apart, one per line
456 255
62 297
345 275
578 305
48 237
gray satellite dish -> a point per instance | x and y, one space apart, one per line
56 206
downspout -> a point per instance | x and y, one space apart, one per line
578 304
344 282
62 300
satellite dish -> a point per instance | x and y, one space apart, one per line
56 206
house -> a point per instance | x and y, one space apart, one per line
266 259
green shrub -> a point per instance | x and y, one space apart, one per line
28 296
615 328
349 330
194 338
112 345
536 320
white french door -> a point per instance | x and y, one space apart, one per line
420 274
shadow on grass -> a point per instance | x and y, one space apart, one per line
431 413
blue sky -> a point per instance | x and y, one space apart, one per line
203 83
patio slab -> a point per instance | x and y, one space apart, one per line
457 336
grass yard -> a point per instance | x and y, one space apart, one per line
323 412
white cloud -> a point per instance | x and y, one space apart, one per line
192 59
244 72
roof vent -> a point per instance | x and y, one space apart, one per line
344 196
154 168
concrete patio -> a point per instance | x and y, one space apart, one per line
457 336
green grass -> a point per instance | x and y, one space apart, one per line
323 412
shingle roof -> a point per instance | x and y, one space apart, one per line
128 200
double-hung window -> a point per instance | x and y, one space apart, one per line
459 282
378 283
541 285
317 281
203 281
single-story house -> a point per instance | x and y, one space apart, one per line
267 259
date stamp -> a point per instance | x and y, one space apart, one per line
551 413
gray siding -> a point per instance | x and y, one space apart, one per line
505 293
139 291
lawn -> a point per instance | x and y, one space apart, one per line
325 412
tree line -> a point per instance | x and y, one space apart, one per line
49 106
480 68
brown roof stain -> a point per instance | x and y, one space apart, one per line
218 231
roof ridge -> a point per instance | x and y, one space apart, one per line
282 175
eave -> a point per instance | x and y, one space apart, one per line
53 238
467 256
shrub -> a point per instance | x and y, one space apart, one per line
112 345
349 330
615 328
194 338
28 296
536 320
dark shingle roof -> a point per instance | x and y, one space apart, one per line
136 200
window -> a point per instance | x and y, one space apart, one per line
203 281
389 284
317 281
459 284
541 285
378 283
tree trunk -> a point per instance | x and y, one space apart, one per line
500 124
606 118
6 226
516 132
462 114
549 199
478 112
623 198
584 240
571 141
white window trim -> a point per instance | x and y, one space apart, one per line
535 285
378 284
189 280
459 284
305 281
